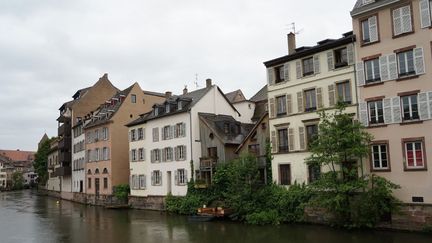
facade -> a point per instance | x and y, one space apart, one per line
308 79
78 158
4 164
71 113
106 138
394 73
170 144
53 181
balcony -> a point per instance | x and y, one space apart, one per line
65 157
65 144
208 164
64 130
63 171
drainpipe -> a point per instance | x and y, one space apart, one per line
191 144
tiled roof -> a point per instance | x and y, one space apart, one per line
217 124
18 155
260 95
80 93
235 96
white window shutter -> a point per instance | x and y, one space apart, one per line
392 67
406 19
175 131
272 107
387 107
350 54
302 138
425 13
176 177
332 95
152 157
186 176
291 138
130 136
289 104
384 70
330 60
300 106
396 110
419 63
270 76
430 104
274 142
183 129
373 28
319 98
176 153
298 70
360 74
162 133
363 114
423 106
153 178
185 152
286 71
397 21
144 154
317 65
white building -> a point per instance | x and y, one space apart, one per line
165 147
78 158
3 175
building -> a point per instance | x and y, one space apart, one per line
4 164
106 138
165 145
72 112
301 83
18 155
245 107
394 73
78 157
53 181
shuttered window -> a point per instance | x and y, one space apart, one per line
341 57
283 140
376 112
369 30
140 134
406 63
285 175
310 100
425 13
181 177
311 133
344 92
279 74
372 71
402 22
410 107
156 178
281 105
379 155
308 66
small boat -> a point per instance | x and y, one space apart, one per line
201 218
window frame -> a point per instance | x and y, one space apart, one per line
181 177
371 156
310 139
404 51
339 52
410 105
282 104
133 98
376 78
279 75
412 20
361 30
344 95
377 113
282 149
282 181
303 63
420 140
314 100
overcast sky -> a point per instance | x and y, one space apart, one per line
51 48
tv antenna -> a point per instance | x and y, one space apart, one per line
196 80
292 28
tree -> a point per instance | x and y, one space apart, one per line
41 161
17 181
339 148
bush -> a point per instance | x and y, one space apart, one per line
121 192
271 216
185 205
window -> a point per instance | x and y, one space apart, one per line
157 178
311 133
141 154
308 66
369 30
105 153
97 153
96 137
140 134
414 154
281 105
372 70
133 98
402 22
283 140
166 133
341 57
279 74
409 107
180 130
168 154
105 183
406 63
167 108
285 174
155 155
89 183
310 98
212 152
155 132
142 182
89 158
105 133
133 135
376 115
365 30
181 177
379 155
254 149
133 155
181 153
314 172
344 92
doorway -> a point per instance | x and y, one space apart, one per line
81 186
97 186
169 189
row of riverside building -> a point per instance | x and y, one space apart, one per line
158 142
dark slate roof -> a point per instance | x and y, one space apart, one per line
360 8
232 96
260 109
257 123
260 95
146 92
108 111
302 52
237 130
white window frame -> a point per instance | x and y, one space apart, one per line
140 133
134 155
380 159
375 104
181 177
405 53
410 107
374 75
141 154
157 178
414 154
133 135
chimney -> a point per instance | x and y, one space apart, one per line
185 90
208 83
168 94
291 43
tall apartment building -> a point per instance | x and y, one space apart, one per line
71 113
394 74
78 157
106 138
53 181
306 80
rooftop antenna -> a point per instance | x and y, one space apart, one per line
196 80
292 28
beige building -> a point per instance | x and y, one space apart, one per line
107 146
306 80
394 74
53 181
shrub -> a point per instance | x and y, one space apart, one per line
271 216
121 192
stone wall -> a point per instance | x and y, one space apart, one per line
101 200
411 217
150 202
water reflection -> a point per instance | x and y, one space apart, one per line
25 217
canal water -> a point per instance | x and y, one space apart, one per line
26 217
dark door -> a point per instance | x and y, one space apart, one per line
81 186
97 186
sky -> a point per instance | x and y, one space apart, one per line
51 48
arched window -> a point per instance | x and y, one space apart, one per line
105 171
97 171
88 172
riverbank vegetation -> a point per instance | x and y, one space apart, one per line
342 191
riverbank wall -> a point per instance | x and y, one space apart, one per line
88 199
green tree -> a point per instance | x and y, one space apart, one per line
17 180
41 161
342 189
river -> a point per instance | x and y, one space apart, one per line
27 217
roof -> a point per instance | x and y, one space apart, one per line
302 52
106 112
252 131
260 95
360 8
235 96
80 93
260 109
217 124
18 155
67 105
146 92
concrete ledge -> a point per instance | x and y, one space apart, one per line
149 203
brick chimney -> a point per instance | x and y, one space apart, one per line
185 90
168 94
291 43
208 83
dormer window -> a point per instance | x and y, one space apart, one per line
156 111
179 105
226 127
167 108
